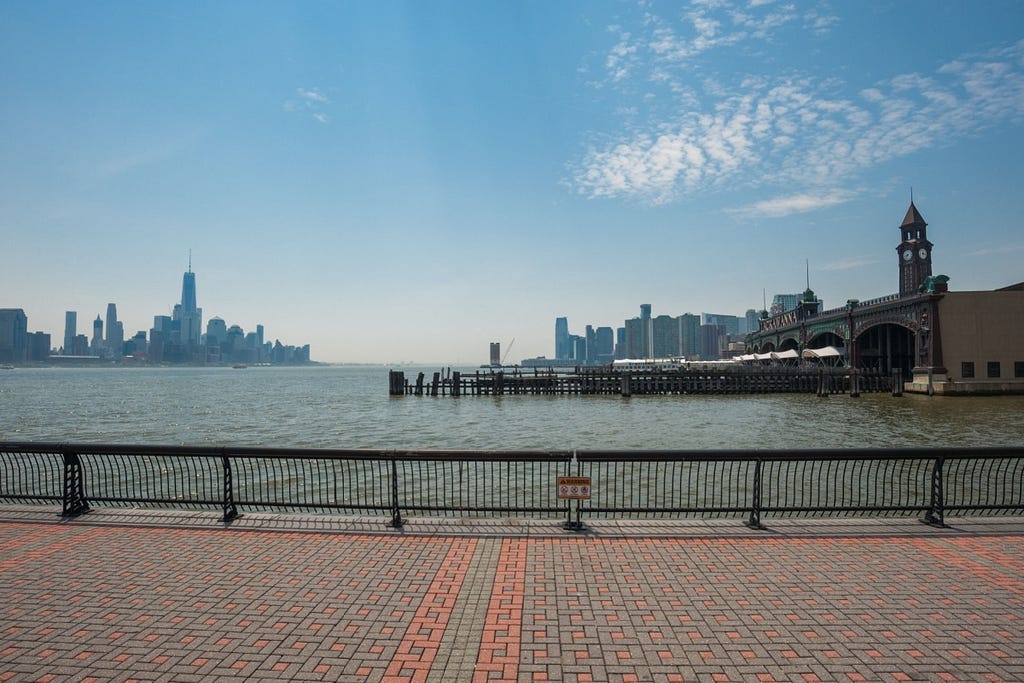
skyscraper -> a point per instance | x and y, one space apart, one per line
13 335
563 344
97 335
188 315
70 330
115 332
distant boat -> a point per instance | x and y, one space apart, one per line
239 367
5 366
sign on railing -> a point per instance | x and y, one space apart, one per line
574 488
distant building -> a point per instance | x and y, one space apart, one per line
713 341
115 332
731 323
605 339
563 344
495 353
97 335
751 318
70 330
690 341
13 335
666 339
782 303
38 346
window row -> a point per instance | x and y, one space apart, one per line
992 369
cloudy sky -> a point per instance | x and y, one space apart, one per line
409 181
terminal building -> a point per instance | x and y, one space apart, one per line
941 341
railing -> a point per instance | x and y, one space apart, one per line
395 484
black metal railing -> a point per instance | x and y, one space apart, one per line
627 484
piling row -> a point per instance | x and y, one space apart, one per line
591 381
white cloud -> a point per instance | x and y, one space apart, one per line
793 130
311 102
313 95
850 263
799 203
1007 249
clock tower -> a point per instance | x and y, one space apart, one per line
915 252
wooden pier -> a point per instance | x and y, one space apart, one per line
603 380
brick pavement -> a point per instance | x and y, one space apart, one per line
86 602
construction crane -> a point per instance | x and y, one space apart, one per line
507 350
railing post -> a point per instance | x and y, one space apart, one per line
73 498
230 511
755 504
396 515
936 515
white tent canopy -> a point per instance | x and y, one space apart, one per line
823 353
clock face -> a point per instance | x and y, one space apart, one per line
923 253
907 255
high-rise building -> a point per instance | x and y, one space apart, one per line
712 341
689 336
13 335
70 330
753 320
666 341
187 314
97 335
731 323
115 332
38 346
563 345
783 302
495 353
216 332
646 346
605 338
591 337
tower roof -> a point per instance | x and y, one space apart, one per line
913 217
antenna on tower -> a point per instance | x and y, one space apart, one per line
911 194
808 264
190 260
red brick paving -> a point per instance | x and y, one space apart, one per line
128 603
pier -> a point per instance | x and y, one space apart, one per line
738 379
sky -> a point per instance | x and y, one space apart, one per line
410 181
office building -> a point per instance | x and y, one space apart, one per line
495 353
13 335
38 346
97 336
690 344
563 345
731 323
115 332
666 337
70 330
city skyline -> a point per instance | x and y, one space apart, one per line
410 183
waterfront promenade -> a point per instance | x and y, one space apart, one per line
129 595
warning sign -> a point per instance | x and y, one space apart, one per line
574 488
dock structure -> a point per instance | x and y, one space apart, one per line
739 379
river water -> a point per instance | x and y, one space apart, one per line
349 407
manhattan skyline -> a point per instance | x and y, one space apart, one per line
413 182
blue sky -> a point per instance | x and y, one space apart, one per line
411 181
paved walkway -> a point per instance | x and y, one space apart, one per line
125 596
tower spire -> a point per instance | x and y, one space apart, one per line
190 260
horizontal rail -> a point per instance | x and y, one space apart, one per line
394 483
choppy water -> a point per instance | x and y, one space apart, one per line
349 407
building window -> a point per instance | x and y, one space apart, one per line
993 369
967 369
1018 368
